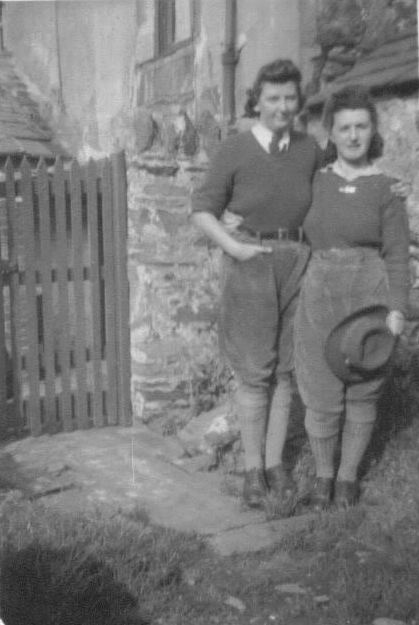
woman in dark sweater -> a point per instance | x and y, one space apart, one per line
358 232
264 176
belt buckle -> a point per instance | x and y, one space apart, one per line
282 234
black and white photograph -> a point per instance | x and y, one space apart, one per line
209 312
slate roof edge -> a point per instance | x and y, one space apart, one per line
23 130
393 81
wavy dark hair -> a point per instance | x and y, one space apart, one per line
353 97
277 72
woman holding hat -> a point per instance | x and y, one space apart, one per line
354 295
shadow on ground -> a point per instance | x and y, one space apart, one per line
296 436
12 477
44 586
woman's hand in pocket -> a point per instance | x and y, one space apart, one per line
395 322
246 251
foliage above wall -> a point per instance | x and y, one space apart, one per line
347 29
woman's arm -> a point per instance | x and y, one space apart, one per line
395 250
210 200
210 226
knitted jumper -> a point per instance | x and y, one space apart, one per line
362 213
268 191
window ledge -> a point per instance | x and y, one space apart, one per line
181 49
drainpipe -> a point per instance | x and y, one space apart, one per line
59 68
230 59
1 27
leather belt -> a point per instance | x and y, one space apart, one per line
281 234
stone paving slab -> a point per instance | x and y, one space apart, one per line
257 536
131 467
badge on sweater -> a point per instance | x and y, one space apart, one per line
348 188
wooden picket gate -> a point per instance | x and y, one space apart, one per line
64 330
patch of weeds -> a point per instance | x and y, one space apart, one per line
385 583
280 508
365 570
136 515
323 532
211 381
175 421
391 485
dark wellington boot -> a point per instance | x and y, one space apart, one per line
254 488
346 494
280 482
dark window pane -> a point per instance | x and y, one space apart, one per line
165 24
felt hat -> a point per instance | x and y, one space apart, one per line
360 346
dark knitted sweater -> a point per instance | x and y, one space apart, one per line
268 191
362 213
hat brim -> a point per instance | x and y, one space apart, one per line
338 361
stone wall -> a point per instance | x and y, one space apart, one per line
400 129
173 275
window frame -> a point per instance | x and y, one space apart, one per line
162 47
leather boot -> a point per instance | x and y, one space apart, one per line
321 493
346 493
280 482
254 488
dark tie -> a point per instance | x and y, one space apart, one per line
273 146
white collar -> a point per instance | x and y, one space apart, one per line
264 136
369 170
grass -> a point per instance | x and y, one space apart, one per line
111 567
367 559
97 568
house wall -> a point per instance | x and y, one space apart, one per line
192 77
29 33
78 56
269 30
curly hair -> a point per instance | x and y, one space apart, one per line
353 97
277 72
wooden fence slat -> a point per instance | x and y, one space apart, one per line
78 284
14 289
3 355
63 305
32 354
120 217
67 277
45 266
110 293
90 173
